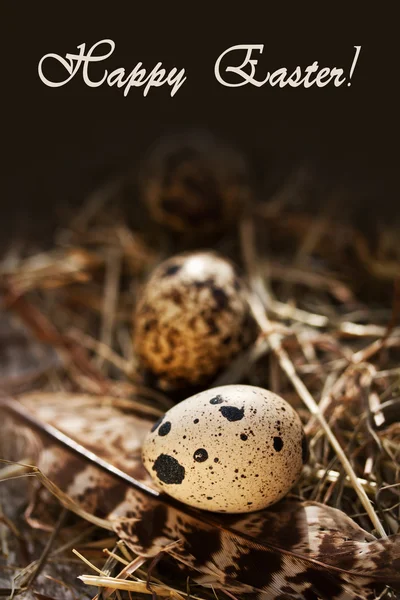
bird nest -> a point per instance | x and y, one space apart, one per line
327 302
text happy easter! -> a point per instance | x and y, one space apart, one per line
235 67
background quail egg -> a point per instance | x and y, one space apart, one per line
234 448
194 183
192 318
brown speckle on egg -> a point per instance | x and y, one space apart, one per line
168 469
248 471
191 321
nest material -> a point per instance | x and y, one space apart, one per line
327 300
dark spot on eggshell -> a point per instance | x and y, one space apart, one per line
171 270
176 297
217 400
165 428
157 424
243 437
212 325
200 455
168 469
150 325
220 297
278 443
196 421
232 413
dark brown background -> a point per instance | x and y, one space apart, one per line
61 143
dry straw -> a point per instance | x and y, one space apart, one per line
327 304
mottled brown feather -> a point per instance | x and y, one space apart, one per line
294 549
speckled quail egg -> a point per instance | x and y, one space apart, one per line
192 318
194 183
234 449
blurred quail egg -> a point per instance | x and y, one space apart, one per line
194 182
234 449
191 320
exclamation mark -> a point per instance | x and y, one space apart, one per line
353 66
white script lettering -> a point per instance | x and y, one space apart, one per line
306 77
138 77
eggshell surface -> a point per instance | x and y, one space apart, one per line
194 183
192 319
235 448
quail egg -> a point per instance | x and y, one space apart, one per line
192 318
194 183
234 449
